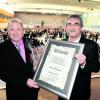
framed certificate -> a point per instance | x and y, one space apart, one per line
58 67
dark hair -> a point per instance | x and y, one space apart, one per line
77 17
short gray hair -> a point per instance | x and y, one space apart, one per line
14 20
77 17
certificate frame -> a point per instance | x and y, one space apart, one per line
64 92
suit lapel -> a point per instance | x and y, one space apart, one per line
82 39
17 54
27 53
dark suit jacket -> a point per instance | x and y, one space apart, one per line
15 72
81 88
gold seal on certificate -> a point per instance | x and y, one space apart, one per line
58 67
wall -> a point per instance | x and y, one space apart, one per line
31 18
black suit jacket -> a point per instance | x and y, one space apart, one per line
81 88
15 72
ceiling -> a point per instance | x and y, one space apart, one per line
60 6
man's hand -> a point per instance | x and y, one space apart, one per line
81 58
32 84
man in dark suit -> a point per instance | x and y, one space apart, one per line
88 60
16 67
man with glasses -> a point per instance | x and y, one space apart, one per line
88 60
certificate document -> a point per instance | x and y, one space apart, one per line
58 67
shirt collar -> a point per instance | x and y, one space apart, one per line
77 40
20 42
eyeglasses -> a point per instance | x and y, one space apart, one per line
76 24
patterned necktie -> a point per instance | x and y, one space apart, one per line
18 47
21 51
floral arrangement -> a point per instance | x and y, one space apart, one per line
36 53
